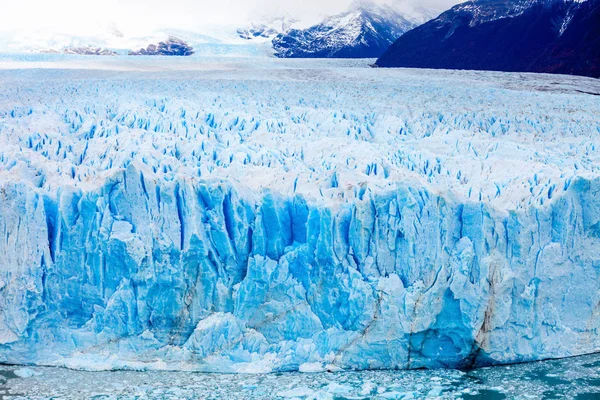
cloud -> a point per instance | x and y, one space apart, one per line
84 16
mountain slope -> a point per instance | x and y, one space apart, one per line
366 30
171 47
266 29
557 36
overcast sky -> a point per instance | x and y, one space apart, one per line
83 16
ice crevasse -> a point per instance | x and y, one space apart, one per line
148 269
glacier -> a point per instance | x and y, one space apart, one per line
235 215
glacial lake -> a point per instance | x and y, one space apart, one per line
571 378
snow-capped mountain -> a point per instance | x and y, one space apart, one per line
206 41
554 36
481 11
82 50
365 30
266 29
171 47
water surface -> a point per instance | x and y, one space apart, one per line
572 378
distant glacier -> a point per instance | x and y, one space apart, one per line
234 216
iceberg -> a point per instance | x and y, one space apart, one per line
296 216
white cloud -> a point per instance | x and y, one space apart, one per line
84 16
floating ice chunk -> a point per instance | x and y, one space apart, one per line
25 372
311 367
296 392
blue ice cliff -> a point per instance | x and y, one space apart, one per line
295 220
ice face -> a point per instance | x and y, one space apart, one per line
296 216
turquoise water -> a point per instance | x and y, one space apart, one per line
572 378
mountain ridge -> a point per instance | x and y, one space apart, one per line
365 30
555 36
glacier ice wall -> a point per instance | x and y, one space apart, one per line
197 276
134 266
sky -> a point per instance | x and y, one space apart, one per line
86 16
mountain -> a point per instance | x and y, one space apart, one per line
207 41
82 50
266 29
365 30
170 47
553 36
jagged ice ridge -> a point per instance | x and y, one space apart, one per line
296 216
